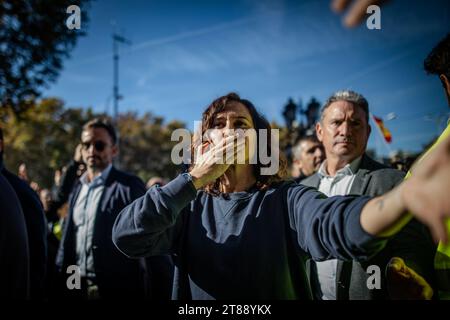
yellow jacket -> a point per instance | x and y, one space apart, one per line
442 259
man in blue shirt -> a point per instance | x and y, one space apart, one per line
96 199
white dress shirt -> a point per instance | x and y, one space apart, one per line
340 184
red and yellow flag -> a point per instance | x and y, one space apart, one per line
383 130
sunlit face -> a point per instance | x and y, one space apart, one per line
344 131
46 198
234 118
97 150
311 157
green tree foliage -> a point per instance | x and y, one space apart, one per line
145 144
47 133
34 40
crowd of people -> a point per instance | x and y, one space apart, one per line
222 230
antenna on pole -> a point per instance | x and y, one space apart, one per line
117 39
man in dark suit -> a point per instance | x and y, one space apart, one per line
95 201
35 226
344 131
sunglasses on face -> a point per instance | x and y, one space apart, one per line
98 145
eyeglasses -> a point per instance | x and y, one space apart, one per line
98 145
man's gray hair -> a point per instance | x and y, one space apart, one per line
297 149
349 96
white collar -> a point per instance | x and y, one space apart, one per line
98 180
348 169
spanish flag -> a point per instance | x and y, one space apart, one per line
383 130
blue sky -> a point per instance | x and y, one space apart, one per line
186 53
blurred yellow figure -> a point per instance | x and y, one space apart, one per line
442 259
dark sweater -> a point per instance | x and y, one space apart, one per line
244 244
14 258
